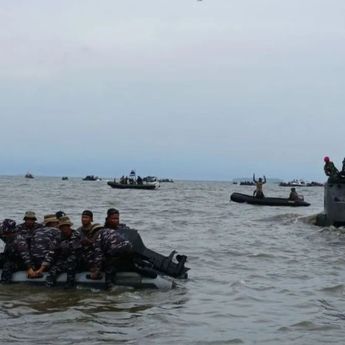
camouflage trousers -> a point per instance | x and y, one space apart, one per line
61 266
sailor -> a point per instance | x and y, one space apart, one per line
329 168
87 234
66 255
112 221
86 222
110 246
258 193
40 254
10 258
27 228
294 195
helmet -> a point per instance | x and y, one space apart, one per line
8 225
326 159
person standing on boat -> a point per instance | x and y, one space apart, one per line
330 170
258 193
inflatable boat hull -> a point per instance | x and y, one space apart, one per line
131 279
244 198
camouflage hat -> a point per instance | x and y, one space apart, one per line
29 215
95 227
8 226
50 218
64 221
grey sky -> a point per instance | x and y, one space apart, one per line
210 89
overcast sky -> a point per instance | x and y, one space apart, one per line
210 89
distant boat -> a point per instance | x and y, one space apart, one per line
300 183
91 178
148 186
134 182
29 175
247 183
267 201
64 178
166 180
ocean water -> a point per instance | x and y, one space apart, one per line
259 275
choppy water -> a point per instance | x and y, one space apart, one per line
259 275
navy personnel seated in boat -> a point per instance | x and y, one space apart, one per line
258 193
10 259
29 226
87 234
66 255
112 221
39 255
294 195
110 250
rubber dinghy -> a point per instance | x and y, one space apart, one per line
249 199
131 279
147 269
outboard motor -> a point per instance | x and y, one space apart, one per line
164 264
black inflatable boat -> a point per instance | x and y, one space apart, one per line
244 198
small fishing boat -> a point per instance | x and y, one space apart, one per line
29 175
267 201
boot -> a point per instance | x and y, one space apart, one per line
50 280
109 278
70 282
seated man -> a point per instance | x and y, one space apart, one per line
87 236
294 195
112 221
109 246
10 258
66 254
29 226
39 254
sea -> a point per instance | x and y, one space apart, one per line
258 274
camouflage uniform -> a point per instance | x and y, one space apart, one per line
66 259
87 239
110 245
23 230
11 261
42 249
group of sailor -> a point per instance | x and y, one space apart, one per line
54 247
